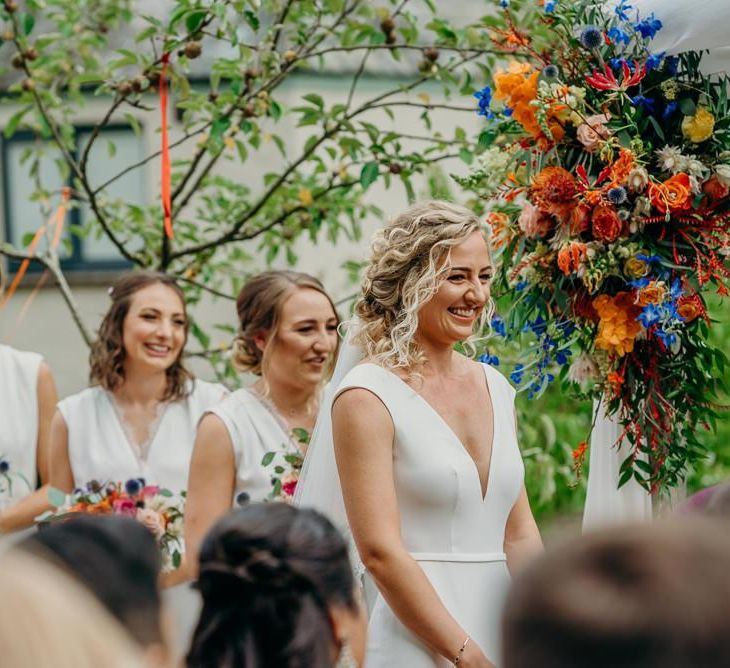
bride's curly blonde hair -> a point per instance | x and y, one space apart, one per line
408 263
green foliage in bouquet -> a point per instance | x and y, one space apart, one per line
605 174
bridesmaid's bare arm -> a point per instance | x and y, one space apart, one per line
210 484
363 436
60 473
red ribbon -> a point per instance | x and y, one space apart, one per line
166 200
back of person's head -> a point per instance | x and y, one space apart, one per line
48 619
637 597
276 582
117 559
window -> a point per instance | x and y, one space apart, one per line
117 147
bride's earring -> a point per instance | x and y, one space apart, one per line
346 658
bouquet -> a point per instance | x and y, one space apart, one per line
156 508
605 174
286 465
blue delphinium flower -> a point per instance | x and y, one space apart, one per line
521 285
504 4
132 487
616 195
650 315
242 498
675 292
516 375
492 360
649 259
667 338
646 103
549 6
648 27
621 10
618 35
507 112
484 96
671 65
591 37
669 110
562 357
654 60
640 282
498 326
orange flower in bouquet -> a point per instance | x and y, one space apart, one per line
554 191
570 256
674 194
654 293
618 326
624 165
690 307
607 226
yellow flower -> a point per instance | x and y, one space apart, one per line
305 197
635 268
617 327
699 127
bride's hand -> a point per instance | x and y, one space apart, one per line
473 657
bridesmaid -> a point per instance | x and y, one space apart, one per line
138 418
288 338
27 401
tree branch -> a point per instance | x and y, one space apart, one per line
203 286
97 129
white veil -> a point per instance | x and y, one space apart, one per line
319 481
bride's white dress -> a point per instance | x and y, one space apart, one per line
455 534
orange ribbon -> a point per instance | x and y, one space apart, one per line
57 220
166 200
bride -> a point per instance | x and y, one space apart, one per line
426 448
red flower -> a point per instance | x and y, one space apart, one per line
607 225
608 80
125 506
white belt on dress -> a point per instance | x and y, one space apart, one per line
459 556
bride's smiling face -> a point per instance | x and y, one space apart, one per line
449 316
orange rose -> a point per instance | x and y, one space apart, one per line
607 225
654 293
690 307
672 195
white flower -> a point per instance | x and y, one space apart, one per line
583 369
670 159
638 179
152 520
176 527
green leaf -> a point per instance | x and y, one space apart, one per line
195 19
315 99
111 148
368 174
14 121
268 458
176 559
302 435
134 124
28 22
687 106
200 335
252 20
657 128
466 155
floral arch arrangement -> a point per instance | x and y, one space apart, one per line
606 175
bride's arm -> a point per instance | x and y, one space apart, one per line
363 436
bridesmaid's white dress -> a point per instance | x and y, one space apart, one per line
19 419
255 429
455 534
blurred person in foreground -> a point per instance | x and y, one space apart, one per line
647 596
48 619
278 590
117 559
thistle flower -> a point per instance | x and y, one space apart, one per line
617 195
550 72
591 37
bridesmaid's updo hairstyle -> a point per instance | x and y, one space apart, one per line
259 310
407 265
269 574
107 352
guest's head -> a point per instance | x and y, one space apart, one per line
144 331
288 329
653 596
48 619
427 282
278 590
117 560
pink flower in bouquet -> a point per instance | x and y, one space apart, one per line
150 490
124 506
152 520
289 484
533 222
593 131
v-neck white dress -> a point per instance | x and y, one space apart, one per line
456 536
99 447
255 429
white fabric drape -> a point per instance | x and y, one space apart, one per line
606 505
